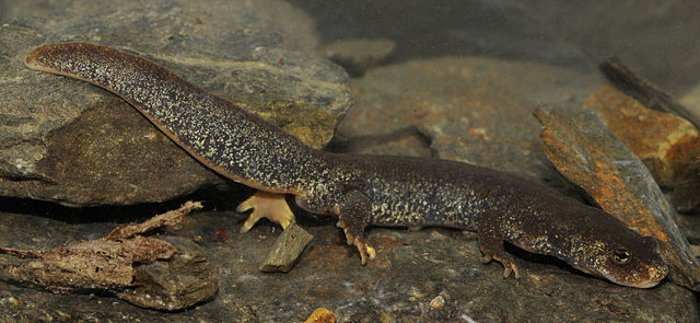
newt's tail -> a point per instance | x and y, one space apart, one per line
225 138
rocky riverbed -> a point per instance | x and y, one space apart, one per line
76 161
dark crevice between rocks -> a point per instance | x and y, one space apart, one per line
222 198
215 198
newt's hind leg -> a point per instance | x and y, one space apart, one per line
266 205
491 247
353 217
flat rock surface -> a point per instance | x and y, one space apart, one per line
411 269
69 142
359 55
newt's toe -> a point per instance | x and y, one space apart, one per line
485 259
366 251
270 206
509 266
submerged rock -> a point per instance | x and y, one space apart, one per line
187 279
667 144
321 315
69 142
691 100
585 151
685 196
359 55
287 250
472 109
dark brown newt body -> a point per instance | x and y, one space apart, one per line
364 190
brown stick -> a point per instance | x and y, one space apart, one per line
643 91
168 219
20 253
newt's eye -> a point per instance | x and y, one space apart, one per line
621 256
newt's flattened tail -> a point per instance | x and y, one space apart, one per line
225 138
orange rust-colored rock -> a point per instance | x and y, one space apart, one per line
665 143
321 315
599 177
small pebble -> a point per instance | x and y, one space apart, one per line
11 300
386 317
321 315
437 303
359 55
287 249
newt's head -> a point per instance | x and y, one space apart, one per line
602 246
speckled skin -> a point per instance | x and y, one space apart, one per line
365 190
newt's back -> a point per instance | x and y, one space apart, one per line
433 192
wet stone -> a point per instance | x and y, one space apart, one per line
187 279
472 109
667 144
321 315
584 150
685 196
359 55
69 142
691 100
287 249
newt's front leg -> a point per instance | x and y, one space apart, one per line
353 211
353 216
491 241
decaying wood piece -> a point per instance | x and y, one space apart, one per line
110 264
94 264
167 219
644 91
584 150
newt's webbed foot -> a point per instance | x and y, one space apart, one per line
266 205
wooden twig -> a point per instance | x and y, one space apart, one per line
167 219
20 253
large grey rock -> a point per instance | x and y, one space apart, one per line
411 269
68 142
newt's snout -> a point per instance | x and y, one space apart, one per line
610 250
641 267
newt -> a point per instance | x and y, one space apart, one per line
362 190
